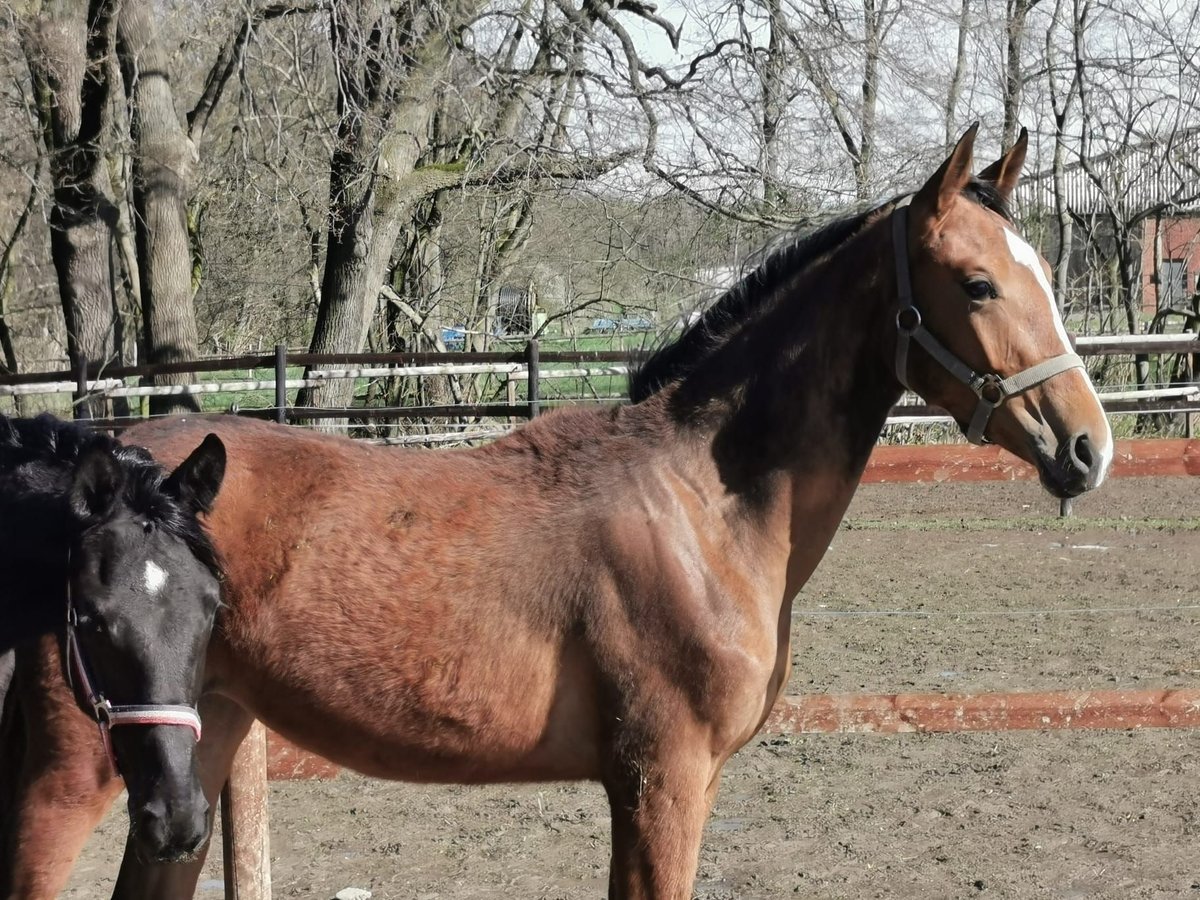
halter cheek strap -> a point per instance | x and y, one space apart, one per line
990 388
108 715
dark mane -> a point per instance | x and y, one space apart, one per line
986 195
770 268
53 447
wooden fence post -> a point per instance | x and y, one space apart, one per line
245 823
81 408
531 356
281 384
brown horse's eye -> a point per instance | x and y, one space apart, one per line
980 289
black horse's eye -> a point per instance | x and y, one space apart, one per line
89 622
979 289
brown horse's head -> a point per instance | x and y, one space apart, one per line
984 298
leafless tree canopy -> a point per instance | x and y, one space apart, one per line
190 178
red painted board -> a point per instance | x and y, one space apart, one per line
965 462
287 762
908 713
928 713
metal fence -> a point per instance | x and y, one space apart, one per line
517 386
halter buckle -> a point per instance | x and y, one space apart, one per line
905 328
102 710
991 390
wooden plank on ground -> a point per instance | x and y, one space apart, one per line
910 713
944 713
287 762
963 462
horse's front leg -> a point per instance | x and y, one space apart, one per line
225 725
660 798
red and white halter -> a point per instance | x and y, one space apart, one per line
108 715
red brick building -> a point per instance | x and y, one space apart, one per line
1132 185
1170 261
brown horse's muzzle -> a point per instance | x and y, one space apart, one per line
1077 466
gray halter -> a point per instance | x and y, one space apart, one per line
991 389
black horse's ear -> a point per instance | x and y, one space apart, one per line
96 485
196 481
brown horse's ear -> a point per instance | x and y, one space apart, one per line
198 478
933 201
1005 172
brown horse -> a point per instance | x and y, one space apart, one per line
607 595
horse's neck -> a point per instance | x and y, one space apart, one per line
32 571
28 606
794 434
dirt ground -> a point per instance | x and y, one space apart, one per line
945 587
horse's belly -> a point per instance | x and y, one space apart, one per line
526 716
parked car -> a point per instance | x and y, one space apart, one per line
624 323
454 337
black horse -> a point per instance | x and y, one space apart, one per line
102 548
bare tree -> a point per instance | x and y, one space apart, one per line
10 363
66 43
390 59
163 158
954 91
1015 21
855 117
392 64
1062 104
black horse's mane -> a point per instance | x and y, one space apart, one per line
46 449
769 269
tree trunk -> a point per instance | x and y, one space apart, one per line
873 22
374 184
774 102
1066 225
1014 74
956 79
66 44
10 364
163 161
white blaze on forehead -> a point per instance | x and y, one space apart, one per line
1025 254
156 577
1028 257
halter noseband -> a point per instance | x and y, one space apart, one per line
991 389
108 715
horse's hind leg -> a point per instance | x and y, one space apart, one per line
225 724
63 785
659 805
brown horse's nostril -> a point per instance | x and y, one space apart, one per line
1083 457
